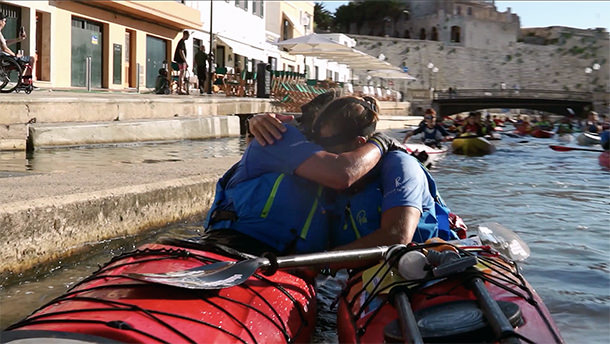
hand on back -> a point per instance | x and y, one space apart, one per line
268 127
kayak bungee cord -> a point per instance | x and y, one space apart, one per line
146 255
502 279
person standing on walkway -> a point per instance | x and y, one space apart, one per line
180 59
5 50
201 60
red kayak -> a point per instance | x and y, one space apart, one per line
111 305
479 296
604 159
543 134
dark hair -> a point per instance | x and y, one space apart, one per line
311 109
430 112
350 116
2 16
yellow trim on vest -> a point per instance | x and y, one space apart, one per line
312 212
272 195
351 218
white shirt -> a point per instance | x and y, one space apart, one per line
2 40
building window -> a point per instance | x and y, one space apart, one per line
422 33
458 11
316 72
434 34
455 34
254 7
407 34
286 29
243 4
261 13
469 11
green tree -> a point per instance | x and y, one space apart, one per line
375 12
322 17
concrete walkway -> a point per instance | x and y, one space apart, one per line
47 216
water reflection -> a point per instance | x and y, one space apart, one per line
107 156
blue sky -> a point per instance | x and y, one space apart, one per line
579 14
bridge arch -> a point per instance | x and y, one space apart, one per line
557 102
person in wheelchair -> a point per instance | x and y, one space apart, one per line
5 50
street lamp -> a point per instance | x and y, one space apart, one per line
588 72
210 52
430 66
431 69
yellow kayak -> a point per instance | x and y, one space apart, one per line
472 146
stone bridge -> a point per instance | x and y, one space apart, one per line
557 102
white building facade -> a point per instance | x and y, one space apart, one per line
244 33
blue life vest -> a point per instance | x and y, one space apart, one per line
283 211
360 214
442 212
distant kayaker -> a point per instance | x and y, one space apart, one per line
472 125
433 133
592 124
544 123
565 126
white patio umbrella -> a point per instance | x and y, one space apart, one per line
315 45
312 42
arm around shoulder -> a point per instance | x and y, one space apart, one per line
340 171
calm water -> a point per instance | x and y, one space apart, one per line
558 202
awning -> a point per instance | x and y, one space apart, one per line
391 74
315 45
353 58
243 49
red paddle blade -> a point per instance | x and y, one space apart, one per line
560 148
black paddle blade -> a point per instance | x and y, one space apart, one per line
212 276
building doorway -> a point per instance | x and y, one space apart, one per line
156 56
87 41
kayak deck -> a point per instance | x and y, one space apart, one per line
109 304
445 309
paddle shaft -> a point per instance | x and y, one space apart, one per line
567 149
331 257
